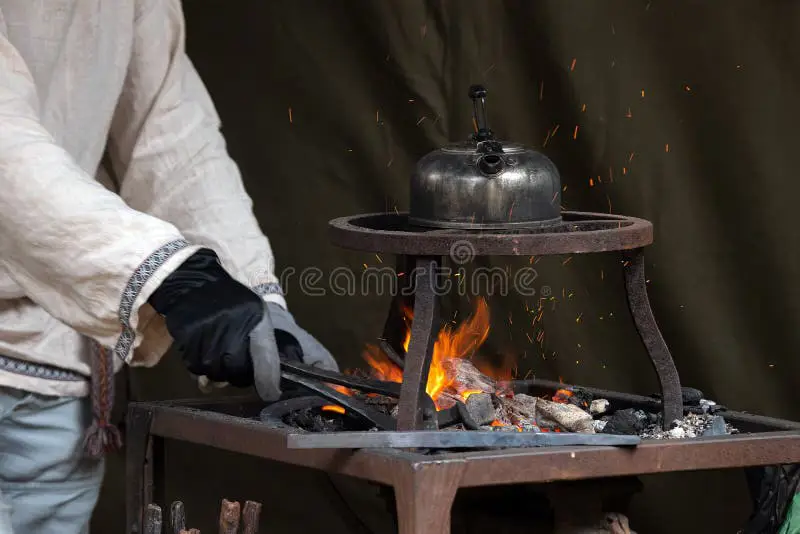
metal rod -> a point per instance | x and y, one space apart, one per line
177 518
441 439
250 516
639 304
380 420
389 389
229 515
152 520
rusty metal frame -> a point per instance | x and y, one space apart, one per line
425 485
578 233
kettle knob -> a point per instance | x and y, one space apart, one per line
478 95
477 91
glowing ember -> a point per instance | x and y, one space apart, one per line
333 408
562 396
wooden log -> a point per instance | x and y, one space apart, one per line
152 519
229 515
250 516
177 518
190 531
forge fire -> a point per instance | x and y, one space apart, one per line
459 376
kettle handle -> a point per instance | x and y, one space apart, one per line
478 95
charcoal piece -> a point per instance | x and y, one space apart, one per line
581 398
718 427
481 408
629 421
567 417
691 396
598 406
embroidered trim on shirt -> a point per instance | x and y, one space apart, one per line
135 284
38 370
271 288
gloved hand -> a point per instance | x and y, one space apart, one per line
224 331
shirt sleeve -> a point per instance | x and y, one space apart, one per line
170 156
75 248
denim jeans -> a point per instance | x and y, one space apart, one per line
47 484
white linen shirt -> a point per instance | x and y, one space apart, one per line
80 253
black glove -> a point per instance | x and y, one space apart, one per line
210 317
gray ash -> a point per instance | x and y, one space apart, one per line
691 426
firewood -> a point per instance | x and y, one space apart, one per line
177 518
229 517
190 531
152 519
468 377
250 516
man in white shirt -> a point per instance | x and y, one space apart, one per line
124 226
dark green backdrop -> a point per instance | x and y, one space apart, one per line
687 115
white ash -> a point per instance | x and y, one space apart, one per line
691 426
599 424
598 406
706 405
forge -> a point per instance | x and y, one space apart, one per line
428 419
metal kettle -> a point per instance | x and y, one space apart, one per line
484 183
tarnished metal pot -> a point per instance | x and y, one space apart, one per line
484 183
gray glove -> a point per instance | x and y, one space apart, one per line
266 352
313 353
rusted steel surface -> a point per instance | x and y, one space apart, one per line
652 456
425 484
639 304
411 414
248 436
580 232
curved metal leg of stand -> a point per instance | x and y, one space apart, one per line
394 328
424 497
639 304
420 350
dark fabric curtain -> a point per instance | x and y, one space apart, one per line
678 111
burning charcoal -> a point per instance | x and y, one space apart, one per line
630 421
581 398
691 396
468 377
563 416
481 408
718 427
598 406
523 409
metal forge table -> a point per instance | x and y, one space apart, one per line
425 484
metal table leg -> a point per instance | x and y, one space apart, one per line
424 497
138 479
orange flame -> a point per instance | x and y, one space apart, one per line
333 408
451 344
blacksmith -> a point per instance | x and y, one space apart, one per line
124 227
